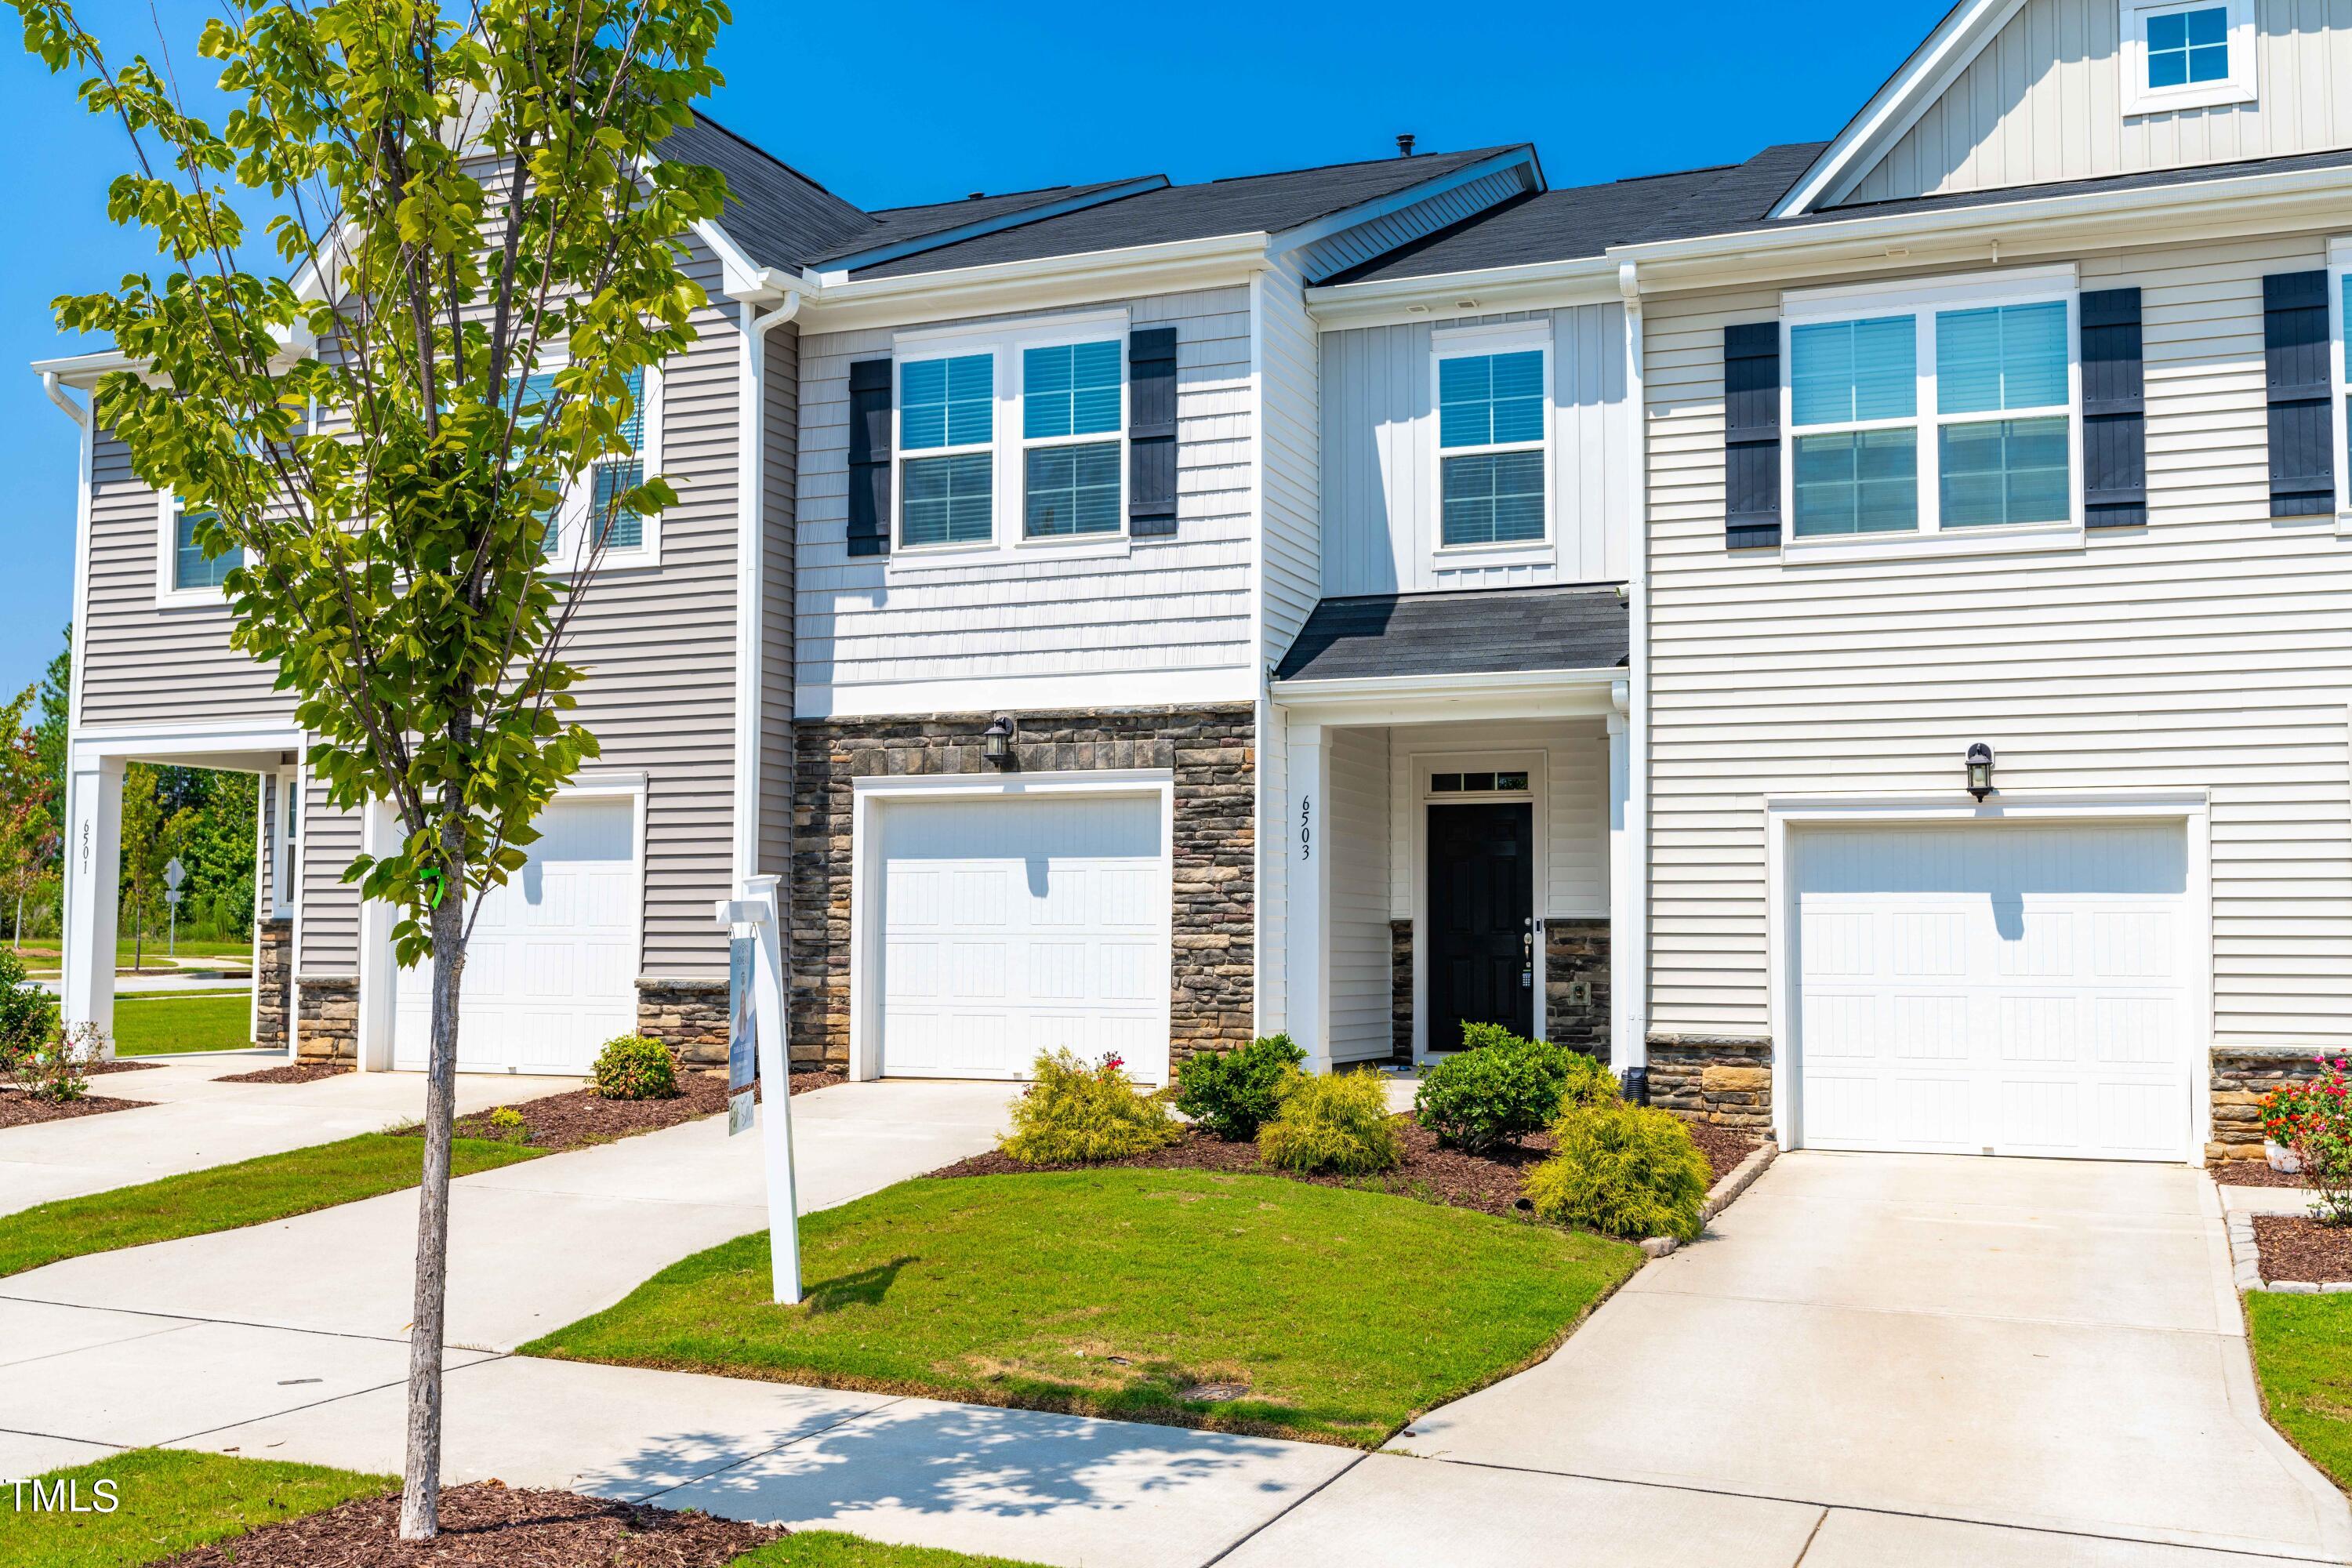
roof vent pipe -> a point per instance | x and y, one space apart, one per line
1404 144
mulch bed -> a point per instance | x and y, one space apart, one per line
2294 1248
1490 1183
580 1117
20 1110
290 1072
2251 1173
489 1523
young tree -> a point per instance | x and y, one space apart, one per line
27 820
147 837
457 194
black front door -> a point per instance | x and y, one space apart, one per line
1481 904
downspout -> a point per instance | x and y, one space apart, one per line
1630 947
751 561
85 422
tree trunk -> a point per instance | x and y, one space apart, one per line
420 1499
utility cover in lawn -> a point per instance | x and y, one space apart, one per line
1238 1302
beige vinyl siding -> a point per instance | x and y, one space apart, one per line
1379 459
1359 941
780 476
1352 246
327 911
2044 101
1176 605
2209 652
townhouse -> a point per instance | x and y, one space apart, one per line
1858 635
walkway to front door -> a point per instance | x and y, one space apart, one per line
1481 919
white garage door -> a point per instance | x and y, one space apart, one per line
1986 989
552 970
1012 927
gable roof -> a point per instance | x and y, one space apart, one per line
778 215
1249 203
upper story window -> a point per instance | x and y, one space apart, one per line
1941 412
1070 424
591 519
190 566
1492 399
2186 54
2339 350
947 424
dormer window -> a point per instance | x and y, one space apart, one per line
2186 54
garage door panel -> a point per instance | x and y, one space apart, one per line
2034 973
1015 926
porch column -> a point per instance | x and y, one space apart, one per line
1627 1045
93 879
1299 837
379 980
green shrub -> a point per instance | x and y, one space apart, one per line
1334 1123
1622 1170
1501 1087
1077 1115
1233 1093
28 1014
1590 1082
507 1122
635 1067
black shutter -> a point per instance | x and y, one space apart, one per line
1152 433
2114 411
1751 435
2303 431
869 457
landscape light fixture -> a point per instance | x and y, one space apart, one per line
1979 770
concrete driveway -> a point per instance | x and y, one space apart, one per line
1874 1359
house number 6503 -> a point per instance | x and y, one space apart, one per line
1307 827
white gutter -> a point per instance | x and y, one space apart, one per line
1037 282
1629 885
752 555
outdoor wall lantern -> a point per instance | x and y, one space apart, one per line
996 741
1980 770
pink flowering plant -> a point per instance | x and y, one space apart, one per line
2315 1119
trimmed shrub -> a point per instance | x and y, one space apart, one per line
1233 1093
1622 1170
1334 1123
1079 1115
508 1123
1502 1087
1590 1082
635 1068
28 1014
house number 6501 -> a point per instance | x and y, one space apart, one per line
1307 827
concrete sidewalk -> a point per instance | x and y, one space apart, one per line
195 1121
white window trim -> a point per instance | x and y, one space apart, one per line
169 595
571 515
1922 300
1008 446
285 817
2241 85
2339 379
1463 343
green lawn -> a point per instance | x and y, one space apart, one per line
2303 1356
149 1025
168 1501
224 1197
1115 1292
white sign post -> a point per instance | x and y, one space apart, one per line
174 875
758 916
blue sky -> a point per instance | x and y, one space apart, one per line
893 104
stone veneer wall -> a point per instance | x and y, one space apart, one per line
1722 1080
1401 991
2242 1074
273 966
688 1016
1574 951
1212 754
327 1017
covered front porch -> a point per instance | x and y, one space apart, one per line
1455 772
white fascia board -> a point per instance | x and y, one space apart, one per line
2033 224
1426 698
1042 283
1412 195
915 245
1896 107
1538 286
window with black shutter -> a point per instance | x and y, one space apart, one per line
2301 422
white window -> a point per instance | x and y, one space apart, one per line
184 574
2186 54
2339 347
1493 398
1011 440
1947 409
285 839
590 506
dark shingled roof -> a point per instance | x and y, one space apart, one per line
1496 631
1248 204
779 216
893 225
2291 163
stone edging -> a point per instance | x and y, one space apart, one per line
1719 1196
2246 1262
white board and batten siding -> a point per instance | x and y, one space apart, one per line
1379 452
1358 942
2207 652
2044 101
876 637
779 561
